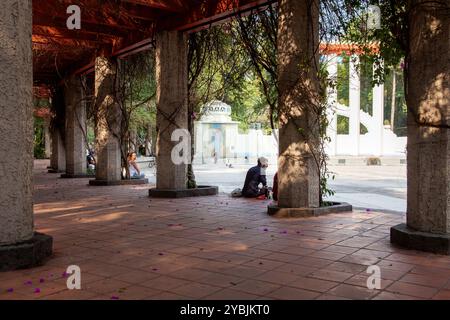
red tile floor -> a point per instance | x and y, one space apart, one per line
129 246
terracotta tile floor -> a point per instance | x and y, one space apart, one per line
129 246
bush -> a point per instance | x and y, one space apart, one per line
374 161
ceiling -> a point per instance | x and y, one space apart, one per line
111 27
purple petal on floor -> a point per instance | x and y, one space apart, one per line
161 254
114 298
10 290
265 229
37 290
41 280
155 269
28 283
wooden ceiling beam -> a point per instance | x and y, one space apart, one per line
91 27
174 6
64 33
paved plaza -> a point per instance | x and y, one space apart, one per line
129 246
365 187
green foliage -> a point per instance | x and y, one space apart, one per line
343 126
343 80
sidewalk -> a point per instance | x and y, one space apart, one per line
131 247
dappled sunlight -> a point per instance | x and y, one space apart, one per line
103 217
433 109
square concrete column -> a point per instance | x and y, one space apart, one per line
58 156
298 174
171 97
75 127
20 246
428 99
107 121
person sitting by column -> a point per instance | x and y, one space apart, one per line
256 176
135 172
90 159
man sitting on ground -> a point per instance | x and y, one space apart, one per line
255 177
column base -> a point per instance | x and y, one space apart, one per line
55 171
409 238
336 207
200 191
77 176
127 182
27 254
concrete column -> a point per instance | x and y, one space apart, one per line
298 39
16 122
332 103
47 138
355 105
58 156
428 166
171 75
378 116
75 127
16 140
107 121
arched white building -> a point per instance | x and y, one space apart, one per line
217 135
379 140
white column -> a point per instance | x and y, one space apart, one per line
378 117
332 103
355 105
198 129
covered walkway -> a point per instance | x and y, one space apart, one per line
129 246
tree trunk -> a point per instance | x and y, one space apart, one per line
191 183
148 141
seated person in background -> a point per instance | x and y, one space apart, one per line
255 177
135 172
90 160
